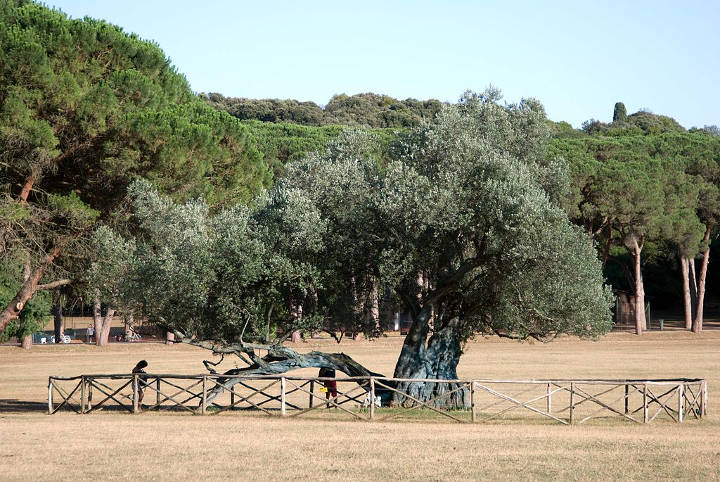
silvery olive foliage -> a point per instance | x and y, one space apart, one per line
213 275
460 227
461 222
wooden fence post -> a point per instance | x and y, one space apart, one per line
473 412
681 405
50 395
203 409
703 409
572 402
548 402
232 399
627 398
312 393
82 394
283 408
89 396
135 393
157 393
372 398
645 404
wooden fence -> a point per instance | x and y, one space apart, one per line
560 400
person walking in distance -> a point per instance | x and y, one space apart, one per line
142 379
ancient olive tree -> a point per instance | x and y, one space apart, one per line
461 228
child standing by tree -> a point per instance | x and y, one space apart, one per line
330 385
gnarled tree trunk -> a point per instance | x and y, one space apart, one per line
433 358
27 342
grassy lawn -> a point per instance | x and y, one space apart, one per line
165 446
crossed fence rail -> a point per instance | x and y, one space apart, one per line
560 400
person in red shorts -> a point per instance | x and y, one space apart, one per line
330 385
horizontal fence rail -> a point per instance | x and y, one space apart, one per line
565 401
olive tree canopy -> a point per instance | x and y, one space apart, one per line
460 229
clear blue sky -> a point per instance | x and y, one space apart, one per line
577 57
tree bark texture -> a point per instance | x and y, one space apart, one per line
640 321
129 324
687 299
434 358
57 318
102 324
280 359
97 319
698 322
106 324
27 342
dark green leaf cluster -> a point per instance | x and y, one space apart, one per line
361 110
86 108
281 143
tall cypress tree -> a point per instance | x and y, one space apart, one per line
620 113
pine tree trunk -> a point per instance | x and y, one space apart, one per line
57 318
693 285
27 342
698 322
640 321
687 301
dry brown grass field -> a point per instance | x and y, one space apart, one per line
177 446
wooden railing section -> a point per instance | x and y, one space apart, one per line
564 401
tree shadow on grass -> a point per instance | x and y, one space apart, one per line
15 405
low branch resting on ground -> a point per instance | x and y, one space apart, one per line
279 359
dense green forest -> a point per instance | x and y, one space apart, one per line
301 217
361 110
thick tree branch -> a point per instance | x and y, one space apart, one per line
279 359
54 284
